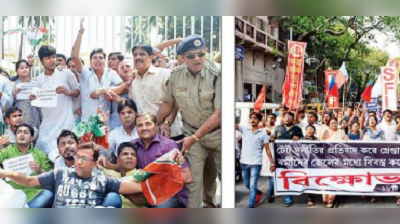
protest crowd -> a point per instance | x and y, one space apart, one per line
132 133
376 118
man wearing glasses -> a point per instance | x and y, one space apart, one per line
196 89
77 187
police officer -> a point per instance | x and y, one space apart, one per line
196 88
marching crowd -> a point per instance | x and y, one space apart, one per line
150 106
351 123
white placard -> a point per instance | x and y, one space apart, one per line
45 97
25 90
19 164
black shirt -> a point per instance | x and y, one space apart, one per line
280 133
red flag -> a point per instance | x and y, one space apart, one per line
367 93
286 88
260 100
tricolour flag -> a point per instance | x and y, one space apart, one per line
342 76
367 93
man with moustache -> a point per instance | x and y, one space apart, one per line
196 88
67 143
94 80
60 117
150 146
22 147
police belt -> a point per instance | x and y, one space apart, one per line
215 129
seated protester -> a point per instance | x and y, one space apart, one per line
127 131
388 126
150 146
78 187
372 132
126 162
354 133
24 135
67 146
13 119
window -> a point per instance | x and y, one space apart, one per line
269 94
260 24
248 92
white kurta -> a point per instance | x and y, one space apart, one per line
148 91
57 118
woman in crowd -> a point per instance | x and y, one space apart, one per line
333 134
31 115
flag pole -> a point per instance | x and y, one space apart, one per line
344 98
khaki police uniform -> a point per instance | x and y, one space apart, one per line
197 97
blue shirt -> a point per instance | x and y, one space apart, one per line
252 145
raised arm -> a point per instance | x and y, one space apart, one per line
161 46
76 49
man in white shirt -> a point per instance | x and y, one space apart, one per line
55 118
148 87
126 132
94 80
388 126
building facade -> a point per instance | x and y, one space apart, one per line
263 62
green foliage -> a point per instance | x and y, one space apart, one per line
344 38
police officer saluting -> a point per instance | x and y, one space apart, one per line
196 88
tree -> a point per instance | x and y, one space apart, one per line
35 22
343 38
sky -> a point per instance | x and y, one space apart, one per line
382 43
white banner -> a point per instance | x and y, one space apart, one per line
389 88
25 90
45 97
19 164
376 182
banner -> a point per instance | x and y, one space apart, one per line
295 71
331 100
389 88
45 97
337 168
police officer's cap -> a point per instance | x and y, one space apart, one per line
194 41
